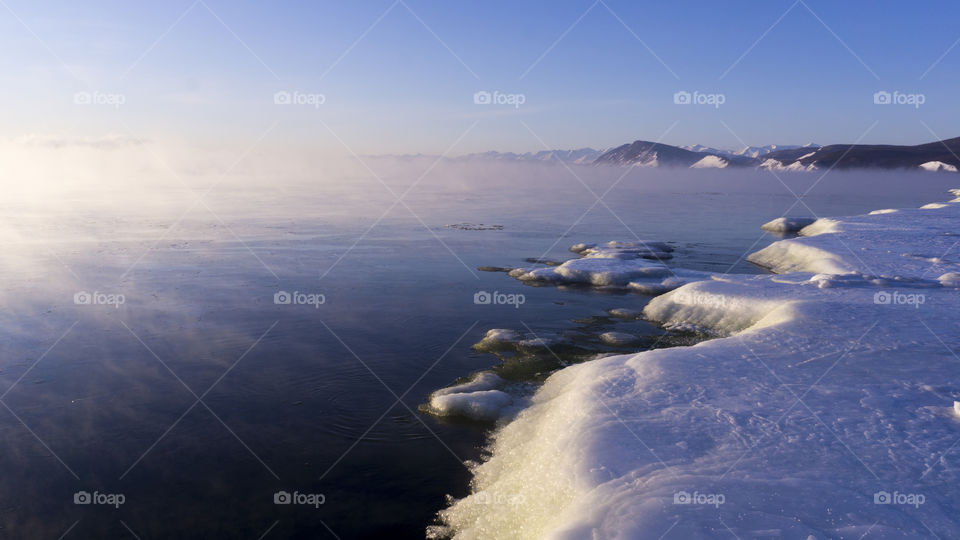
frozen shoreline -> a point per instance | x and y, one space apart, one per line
834 386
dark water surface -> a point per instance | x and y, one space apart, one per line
199 398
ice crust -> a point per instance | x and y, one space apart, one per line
828 388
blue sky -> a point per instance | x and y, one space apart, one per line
401 77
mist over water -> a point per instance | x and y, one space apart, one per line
309 398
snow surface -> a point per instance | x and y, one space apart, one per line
835 383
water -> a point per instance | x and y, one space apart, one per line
198 398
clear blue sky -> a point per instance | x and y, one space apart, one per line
208 71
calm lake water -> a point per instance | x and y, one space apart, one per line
198 398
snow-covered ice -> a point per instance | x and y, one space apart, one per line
630 265
827 410
477 399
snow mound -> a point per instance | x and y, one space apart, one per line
883 211
710 162
477 399
787 224
938 166
498 338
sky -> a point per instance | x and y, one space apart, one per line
413 76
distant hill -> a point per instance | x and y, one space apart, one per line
870 156
651 154
580 155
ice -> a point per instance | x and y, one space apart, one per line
950 279
477 399
498 338
787 224
633 265
831 387
484 405
481 381
624 250
625 313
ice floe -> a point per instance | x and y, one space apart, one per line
631 265
477 399
828 410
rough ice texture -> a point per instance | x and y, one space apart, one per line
632 265
823 394
787 224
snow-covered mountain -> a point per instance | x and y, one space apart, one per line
938 156
934 156
747 151
651 154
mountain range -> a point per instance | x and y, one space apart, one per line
938 156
